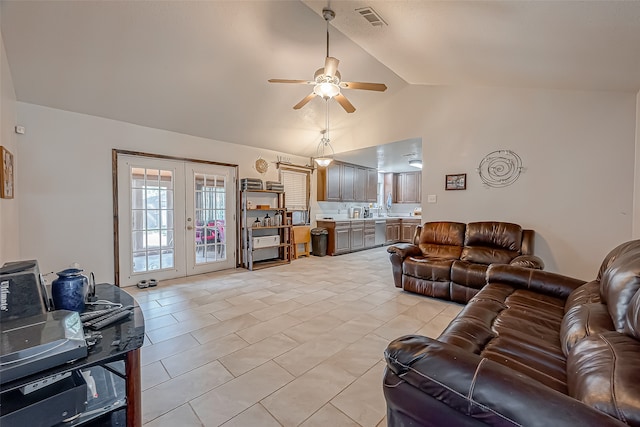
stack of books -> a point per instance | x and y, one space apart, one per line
275 186
251 184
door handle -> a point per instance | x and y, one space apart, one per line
189 227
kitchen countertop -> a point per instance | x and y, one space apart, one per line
336 218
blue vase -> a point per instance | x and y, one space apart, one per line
69 290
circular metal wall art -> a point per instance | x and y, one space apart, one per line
500 168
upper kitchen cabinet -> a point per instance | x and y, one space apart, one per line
372 185
344 182
408 187
348 193
404 187
330 183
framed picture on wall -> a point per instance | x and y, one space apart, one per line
456 182
6 174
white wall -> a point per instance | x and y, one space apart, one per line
9 238
577 148
636 198
66 192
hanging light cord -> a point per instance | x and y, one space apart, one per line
327 127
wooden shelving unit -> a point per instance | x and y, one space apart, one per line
268 256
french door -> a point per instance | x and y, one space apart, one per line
175 218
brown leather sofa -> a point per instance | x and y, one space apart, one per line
532 348
449 260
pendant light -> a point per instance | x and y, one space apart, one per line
324 152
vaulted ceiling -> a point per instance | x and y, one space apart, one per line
201 67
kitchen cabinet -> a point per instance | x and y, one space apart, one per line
360 184
342 238
348 183
333 182
350 236
344 182
408 229
372 186
408 187
357 235
369 234
393 231
405 187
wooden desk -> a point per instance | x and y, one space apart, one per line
120 341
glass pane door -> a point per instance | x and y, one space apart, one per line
211 207
152 219
210 213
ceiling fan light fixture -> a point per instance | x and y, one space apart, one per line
416 163
326 89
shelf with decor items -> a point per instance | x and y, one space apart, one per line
264 245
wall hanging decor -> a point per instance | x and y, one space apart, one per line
6 174
500 168
261 165
456 182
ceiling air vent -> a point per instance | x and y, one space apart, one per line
371 16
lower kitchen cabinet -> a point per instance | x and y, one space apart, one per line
357 235
369 234
341 238
354 235
393 231
408 229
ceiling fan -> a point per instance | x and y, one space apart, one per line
326 81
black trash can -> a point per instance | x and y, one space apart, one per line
319 237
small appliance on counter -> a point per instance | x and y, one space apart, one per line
355 212
417 211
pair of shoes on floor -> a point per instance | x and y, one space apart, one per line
143 284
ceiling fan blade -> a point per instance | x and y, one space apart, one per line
380 87
330 66
304 102
344 102
304 82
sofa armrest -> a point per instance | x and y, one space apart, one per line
544 282
528 261
403 250
482 389
397 254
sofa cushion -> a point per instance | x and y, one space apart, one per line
442 239
619 284
485 255
603 372
582 321
436 269
468 274
491 242
432 288
494 234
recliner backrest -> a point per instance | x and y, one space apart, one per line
620 282
491 242
442 239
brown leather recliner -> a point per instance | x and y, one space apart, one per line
450 259
532 348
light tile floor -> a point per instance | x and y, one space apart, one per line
295 345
